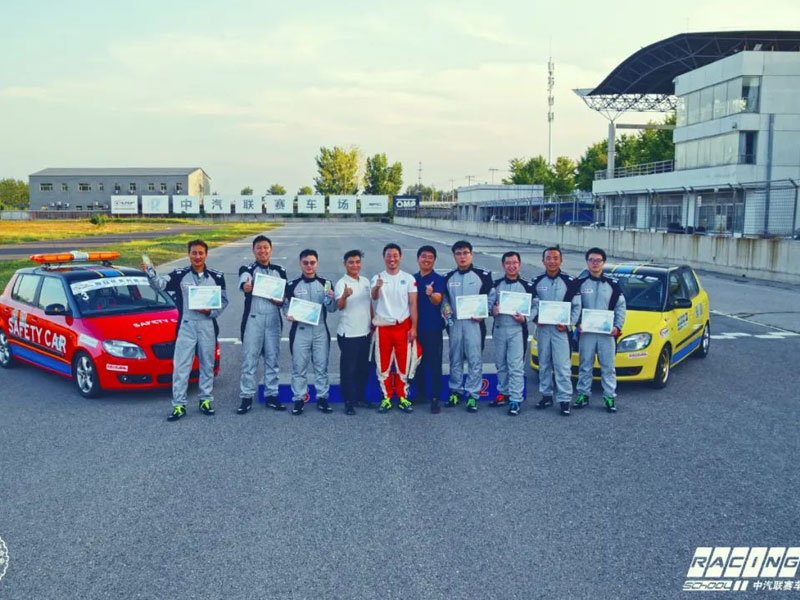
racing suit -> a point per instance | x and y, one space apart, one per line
555 353
467 336
309 343
510 343
197 332
261 333
599 294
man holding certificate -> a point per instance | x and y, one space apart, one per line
395 295
601 321
470 292
557 306
263 284
510 333
308 300
199 293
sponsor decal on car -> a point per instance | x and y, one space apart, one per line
637 354
81 287
664 333
153 322
88 340
683 321
698 310
19 327
117 368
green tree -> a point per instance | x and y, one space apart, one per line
306 190
562 177
337 171
276 189
248 191
14 194
428 194
382 178
528 171
594 159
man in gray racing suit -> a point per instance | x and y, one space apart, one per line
599 292
310 343
197 328
554 351
261 329
467 336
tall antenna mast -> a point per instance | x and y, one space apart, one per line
550 102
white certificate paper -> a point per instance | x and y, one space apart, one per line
305 311
554 313
269 287
475 306
515 302
205 297
597 321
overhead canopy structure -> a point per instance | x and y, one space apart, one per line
644 81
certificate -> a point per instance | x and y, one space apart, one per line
205 297
305 311
269 287
597 321
554 313
472 307
515 302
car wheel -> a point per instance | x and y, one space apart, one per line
705 342
661 377
85 375
6 360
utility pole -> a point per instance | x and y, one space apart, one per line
469 179
493 171
419 176
452 189
550 102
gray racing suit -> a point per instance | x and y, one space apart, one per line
197 332
309 343
261 333
510 343
599 294
467 336
555 354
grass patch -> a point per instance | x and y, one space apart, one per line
161 250
17 232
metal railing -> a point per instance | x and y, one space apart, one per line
661 166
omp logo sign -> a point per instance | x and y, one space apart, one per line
725 568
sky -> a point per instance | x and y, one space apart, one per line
250 91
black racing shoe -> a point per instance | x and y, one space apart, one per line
205 408
435 407
322 405
349 410
513 409
298 407
609 402
177 413
564 408
245 406
581 401
545 402
274 403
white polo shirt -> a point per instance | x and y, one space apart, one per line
354 318
392 303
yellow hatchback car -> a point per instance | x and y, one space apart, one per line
667 321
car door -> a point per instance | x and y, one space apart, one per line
699 309
56 335
23 316
681 318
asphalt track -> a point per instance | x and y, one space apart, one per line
105 499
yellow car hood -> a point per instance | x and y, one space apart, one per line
644 321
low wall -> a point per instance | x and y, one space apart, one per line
772 259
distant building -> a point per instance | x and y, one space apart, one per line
486 202
737 137
92 189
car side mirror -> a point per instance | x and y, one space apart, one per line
681 303
56 310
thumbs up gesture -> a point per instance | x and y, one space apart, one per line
348 291
429 289
379 282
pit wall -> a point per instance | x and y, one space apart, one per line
770 259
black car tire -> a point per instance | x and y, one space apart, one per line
6 360
85 375
663 368
705 342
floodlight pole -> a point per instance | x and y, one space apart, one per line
610 150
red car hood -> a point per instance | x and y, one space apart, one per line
143 329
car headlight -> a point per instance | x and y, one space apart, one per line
122 349
637 341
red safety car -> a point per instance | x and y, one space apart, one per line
81 317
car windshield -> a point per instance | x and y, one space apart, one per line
117 295
642 292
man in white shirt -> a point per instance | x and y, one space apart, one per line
395 295
352 293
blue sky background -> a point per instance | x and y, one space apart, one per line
250 90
